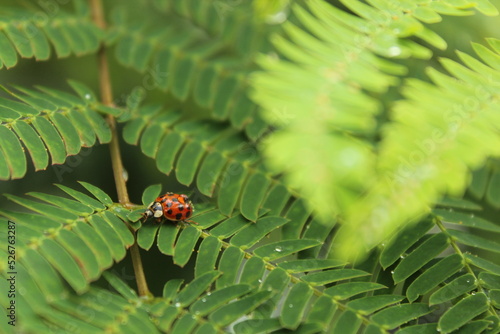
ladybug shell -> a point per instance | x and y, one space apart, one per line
175 207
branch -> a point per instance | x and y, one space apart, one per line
114 145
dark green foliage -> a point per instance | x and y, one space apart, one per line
261 257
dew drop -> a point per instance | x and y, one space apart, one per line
260 281
472 215
392 272
278 249
402 256
290 305
177 304
203 300
125 175
88 96
209 293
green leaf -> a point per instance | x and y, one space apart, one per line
229 313
253 194
474 240
68 204
209 172
460 313
81 252
404 240
185 245
370 304
171 289
229 227
98 193
252 272
151 193
466 220
482 263
419 329
146 235
96 242
65 264
207 255
299 266
229 265
81 197
113 240
8 56
334 275
295 305
188 161
420 256
210 303
254 326
397 315
44 274
51 138
120 227
166 238
252 233
68 133
453 289
322 311
194 289
33 143
13 152
297 214
120 286
232 181
491 281
348 322
434 276
284 248
347 290
185 324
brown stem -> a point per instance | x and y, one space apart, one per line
114 145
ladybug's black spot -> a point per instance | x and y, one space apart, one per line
169 211
175 200
188 213
164 200
180 207
178 216
168 205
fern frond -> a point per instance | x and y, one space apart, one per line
316 96
29 33
454 278
234 245
47 121
456 117
209 61
77 238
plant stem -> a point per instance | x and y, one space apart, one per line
114 145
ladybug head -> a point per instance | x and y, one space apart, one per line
154 210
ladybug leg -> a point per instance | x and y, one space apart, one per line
145 215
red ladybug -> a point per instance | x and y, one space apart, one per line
174 207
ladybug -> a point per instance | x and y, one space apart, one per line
173 207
